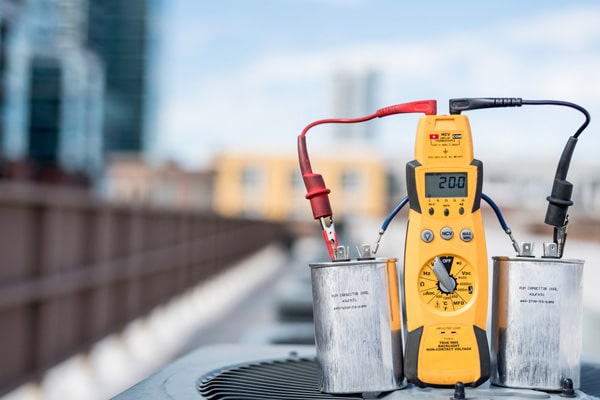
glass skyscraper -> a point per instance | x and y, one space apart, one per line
118 32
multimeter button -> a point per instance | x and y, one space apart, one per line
427 235
466 235
431 210
461 210
446 212
447 233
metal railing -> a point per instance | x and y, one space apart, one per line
74 269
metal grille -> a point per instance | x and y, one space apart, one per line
298 379
590 379
291 379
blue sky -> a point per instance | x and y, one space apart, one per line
250 74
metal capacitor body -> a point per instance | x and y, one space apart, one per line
356 308
536 322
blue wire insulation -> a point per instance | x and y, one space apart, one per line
496 210
392 215
484 196
386 223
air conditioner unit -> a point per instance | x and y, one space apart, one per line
287 372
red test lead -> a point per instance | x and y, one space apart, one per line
317 192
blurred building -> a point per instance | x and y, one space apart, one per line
118 33
130 180
72 86
526 185
270 186
354 95
53 89
8 19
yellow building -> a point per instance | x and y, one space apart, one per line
270 186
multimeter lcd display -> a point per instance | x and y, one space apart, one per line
446 184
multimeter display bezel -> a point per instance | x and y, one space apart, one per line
446 184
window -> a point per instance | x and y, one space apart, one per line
252 177
351 180
296 181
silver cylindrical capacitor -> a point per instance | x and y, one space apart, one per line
356 308
536 322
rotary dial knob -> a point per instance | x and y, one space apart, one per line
447 283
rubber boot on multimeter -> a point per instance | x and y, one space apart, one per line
445 260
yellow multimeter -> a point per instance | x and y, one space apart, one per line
445 260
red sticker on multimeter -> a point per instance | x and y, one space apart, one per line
434 136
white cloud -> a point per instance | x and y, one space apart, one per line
571 31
